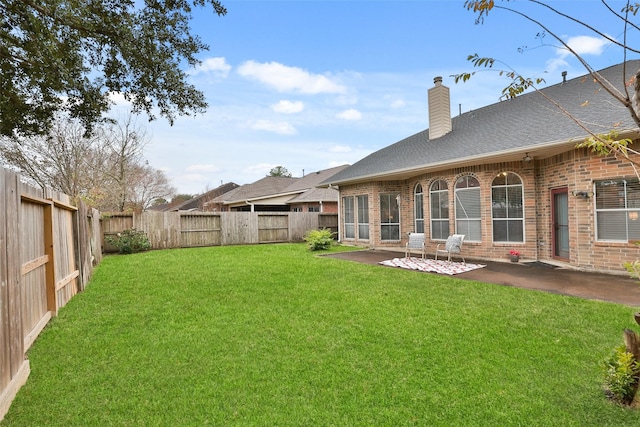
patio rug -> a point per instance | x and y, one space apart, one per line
431 265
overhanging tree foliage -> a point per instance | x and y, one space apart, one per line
603 144
69 55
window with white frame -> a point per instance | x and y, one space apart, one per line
390 216
418 208
468 213
618 210
439 202
363 217
507 208
349 217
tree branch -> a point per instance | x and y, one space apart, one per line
584 24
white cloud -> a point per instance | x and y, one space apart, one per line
288 107
350 114
202 168
289 79
586 45
340 149
582 45
218 65
282 128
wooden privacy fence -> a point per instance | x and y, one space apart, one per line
192 229
48 248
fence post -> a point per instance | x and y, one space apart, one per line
50 272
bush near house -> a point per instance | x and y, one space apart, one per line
318 240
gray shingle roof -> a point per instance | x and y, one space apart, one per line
505 129
196 202
313 179
271 186
315 195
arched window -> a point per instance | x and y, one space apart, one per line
507 208
468 213
439 198
418 209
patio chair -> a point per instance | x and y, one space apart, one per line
415 243
453 245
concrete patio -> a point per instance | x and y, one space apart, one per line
619 289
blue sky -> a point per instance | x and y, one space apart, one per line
313 84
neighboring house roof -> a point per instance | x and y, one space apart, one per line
316 195
265 187
283 190
505 131
197 202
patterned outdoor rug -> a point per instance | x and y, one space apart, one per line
431 265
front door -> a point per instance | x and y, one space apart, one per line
560 216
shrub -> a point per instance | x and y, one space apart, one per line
621 375
130 241
319 239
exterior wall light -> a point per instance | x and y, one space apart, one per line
583 194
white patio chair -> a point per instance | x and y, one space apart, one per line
415 243
453 245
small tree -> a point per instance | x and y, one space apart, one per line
280 171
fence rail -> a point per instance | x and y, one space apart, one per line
193 229
48 248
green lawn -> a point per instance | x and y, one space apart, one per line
272 335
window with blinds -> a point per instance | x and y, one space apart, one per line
468 213
507 208
439 199
618 210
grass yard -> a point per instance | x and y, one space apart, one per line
272 335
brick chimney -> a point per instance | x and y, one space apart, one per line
439 109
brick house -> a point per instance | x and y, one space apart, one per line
508 176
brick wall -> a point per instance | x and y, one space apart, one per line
569 171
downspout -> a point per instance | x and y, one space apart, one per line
250 204
321 207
